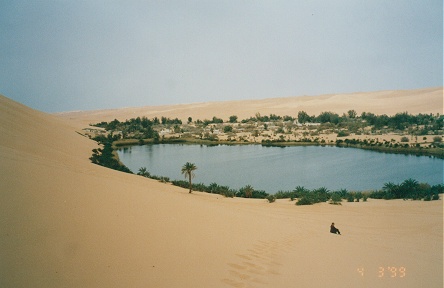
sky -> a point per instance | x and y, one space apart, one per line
65 55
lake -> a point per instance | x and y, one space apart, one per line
283 168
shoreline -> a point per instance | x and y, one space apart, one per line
426 152
205 187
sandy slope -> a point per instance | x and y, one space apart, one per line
65 222
428 100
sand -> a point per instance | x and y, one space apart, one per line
65 222
427 100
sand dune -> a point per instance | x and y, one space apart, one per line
65 222
429 100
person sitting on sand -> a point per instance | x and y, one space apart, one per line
334 230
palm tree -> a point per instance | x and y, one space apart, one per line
187 170
213 187
248 191
410 188
143 172
391 190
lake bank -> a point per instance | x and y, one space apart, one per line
409 150
273 168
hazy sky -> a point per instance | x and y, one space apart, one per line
83 55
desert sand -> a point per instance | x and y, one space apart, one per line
427 100
65 222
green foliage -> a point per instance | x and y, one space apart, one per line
247 191
300 191
409 189
305 200
343 193
303 117
352 114
104 156
437 139
343 133
166 120
143 172
358 196
328 117
188 171
229 193
350 197
218 189
336 198
271 198
285 194
217 120
228 129
308 197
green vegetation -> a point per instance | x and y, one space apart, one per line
420 134
105 156
188 170
336 199
409 189
308 197
271 198
143 172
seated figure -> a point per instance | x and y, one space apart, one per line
333 229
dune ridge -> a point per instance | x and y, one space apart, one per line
65 222
426 100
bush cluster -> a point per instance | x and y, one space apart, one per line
104 156
409 189
244 192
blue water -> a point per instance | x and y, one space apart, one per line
274 168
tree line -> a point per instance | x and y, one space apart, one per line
409 189
143 127
104 156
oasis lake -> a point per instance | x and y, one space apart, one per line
276 169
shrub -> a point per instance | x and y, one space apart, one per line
229 193
343 133
271 198
336 199
350 197
285 194
358 196
104 157
304 201
379 194
228 129
437 139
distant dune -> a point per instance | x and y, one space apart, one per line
65 222
429 100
